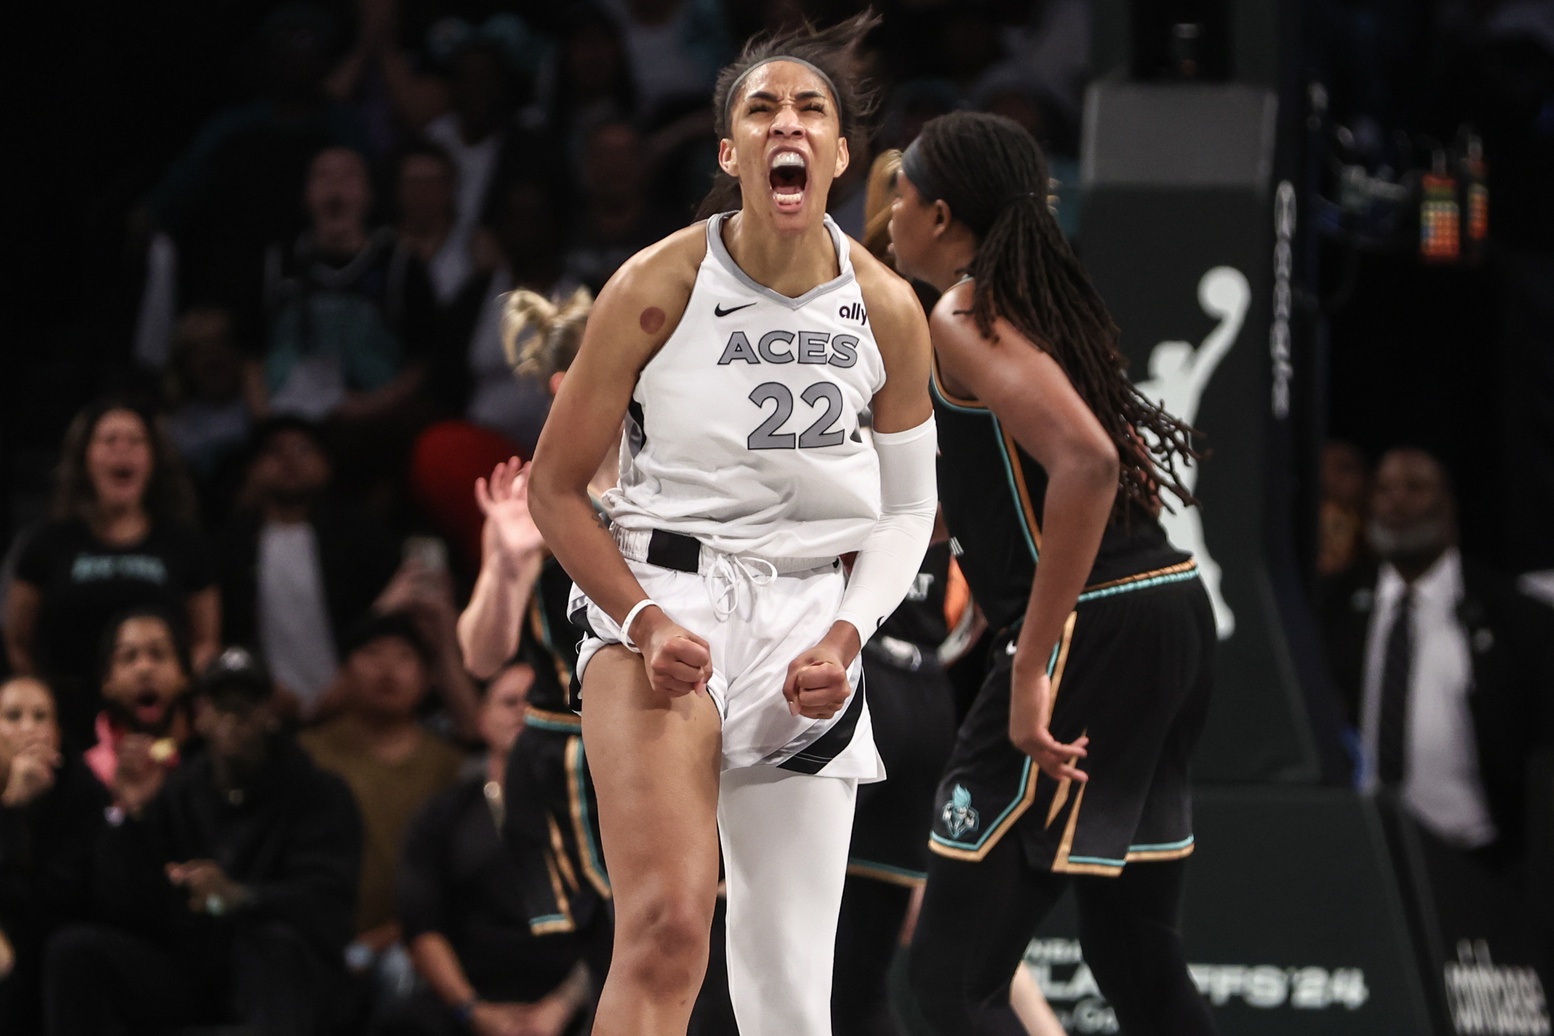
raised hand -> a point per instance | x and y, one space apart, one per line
138 777
509 533
31 774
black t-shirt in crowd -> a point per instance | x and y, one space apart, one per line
84 583
457 878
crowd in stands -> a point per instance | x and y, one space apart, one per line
245 774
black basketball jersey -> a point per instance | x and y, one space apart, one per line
549 641
919 619
993 494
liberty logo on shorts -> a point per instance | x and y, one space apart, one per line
958 816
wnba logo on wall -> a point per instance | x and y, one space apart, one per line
958 815
1494 1000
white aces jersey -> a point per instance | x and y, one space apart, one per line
744 426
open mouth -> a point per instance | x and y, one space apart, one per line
148 707
788 176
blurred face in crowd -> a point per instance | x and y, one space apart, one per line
236 727
145 675
501 713
338 192
478 92
208 362
1413 515
526 224
785 145
425 190
27 715
119 459
595 61
389 678
612 163
291 468
1344 478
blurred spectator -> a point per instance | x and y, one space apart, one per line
1342 514
296 567
146 677
477 383
392 763
351 312
675 47
226 889
490 963
50 811
475 130
231 193
121 534
421 592
208 414
425 178
1054 48
587 81
1445 667
614 219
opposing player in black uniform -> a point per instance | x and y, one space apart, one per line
517 611
1071 767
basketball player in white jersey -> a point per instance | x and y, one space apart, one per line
719 670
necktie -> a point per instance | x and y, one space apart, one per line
1397 667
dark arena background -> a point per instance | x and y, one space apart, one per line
1325 227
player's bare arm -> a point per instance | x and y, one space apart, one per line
1032 397
635 314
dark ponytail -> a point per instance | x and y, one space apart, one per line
992 175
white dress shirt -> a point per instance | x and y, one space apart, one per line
1441 783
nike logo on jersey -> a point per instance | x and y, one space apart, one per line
719 311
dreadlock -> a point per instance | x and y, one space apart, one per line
558 331
832 51
992 175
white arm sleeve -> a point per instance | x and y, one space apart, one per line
890 557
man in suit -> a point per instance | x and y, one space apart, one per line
1445 667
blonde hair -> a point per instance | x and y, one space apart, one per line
558 330
876 203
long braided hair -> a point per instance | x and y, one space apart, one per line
992 175
833 51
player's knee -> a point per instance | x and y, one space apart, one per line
663 944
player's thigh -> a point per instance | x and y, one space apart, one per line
655 762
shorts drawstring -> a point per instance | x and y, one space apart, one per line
727 573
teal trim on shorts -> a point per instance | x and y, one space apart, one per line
1147 848
549 724
1025 776
853 861
1161 847
549 919
587 833
1142 584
